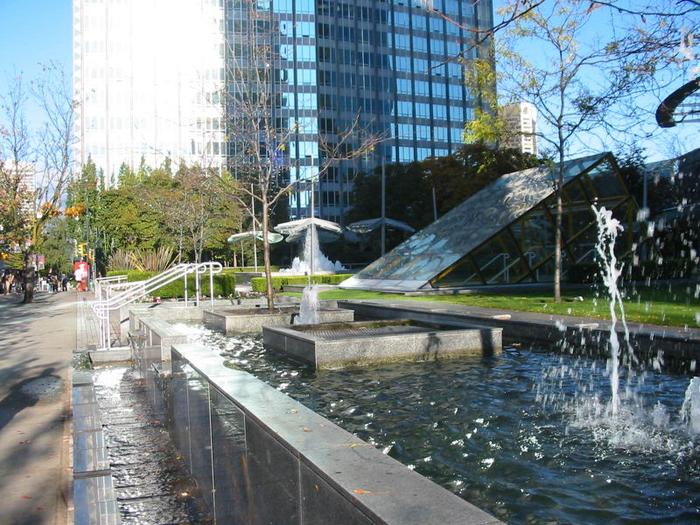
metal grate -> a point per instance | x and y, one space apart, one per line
345 333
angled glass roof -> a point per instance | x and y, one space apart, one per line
418 260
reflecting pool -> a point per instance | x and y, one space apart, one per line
518 435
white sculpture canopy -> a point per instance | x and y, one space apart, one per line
369 225
271 236
296 229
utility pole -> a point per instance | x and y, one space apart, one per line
255 234
383 210
434 205
311 232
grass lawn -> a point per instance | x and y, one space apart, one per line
677 305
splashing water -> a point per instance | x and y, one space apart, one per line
631 415
312 254
608 228
308 310
690 411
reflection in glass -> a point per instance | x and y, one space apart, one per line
502 234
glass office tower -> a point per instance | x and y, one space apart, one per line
151 79
147 75
391 64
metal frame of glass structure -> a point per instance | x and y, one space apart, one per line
504 234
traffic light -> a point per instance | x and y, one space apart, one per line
82 249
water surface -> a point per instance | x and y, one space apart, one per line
523 435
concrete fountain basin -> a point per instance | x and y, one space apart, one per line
248 320
341 344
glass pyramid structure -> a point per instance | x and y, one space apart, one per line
505 233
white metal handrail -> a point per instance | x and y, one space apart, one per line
103 306
102 282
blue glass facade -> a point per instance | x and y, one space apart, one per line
391 64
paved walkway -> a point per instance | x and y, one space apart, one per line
36 347
87 325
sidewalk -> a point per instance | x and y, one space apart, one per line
36 346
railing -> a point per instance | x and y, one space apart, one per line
102 284
106 301
585 255
531 256
493 260
505 271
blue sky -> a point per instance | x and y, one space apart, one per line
39 31
34 31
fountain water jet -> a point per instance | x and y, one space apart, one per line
313 259
309 307
690 411
629 417
608 228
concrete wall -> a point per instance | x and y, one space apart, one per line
439 342
235 320
260 457
678 346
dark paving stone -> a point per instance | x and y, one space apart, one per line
83 394
95 501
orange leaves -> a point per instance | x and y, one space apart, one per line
76 210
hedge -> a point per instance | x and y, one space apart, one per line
259 284
224 283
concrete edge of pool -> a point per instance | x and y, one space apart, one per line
676 346
337 345
306 468
335 477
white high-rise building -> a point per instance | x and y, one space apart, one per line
148 78
521 121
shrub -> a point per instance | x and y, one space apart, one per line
259 284
224 284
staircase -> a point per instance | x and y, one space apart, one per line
112 294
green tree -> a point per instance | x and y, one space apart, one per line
127 222
82 207
409 187
573 84
57 245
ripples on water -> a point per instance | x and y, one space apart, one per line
509 434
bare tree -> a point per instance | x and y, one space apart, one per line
583 85
668 14
46 162
16 167
261 141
